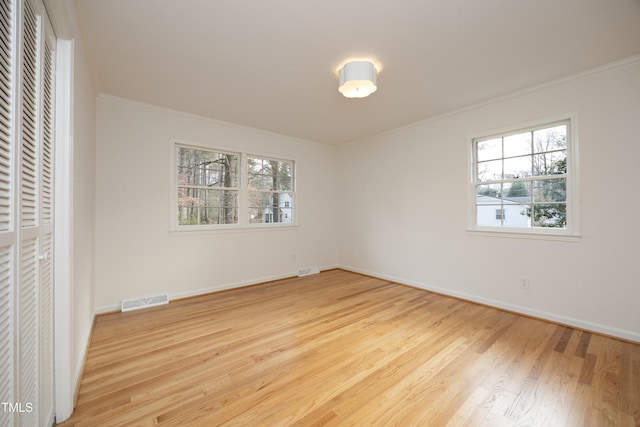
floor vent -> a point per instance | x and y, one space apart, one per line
135 304
308 271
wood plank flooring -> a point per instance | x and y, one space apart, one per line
342 349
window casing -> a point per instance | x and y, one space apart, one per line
524 181
214 189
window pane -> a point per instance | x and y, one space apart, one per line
517 145
287 215
270 207
550 215
550 139
207 168
489 149
285 182
197 206
550 190
490 171
553 163
519 191
485 193
516 215
268 174
517 167
255 165
486 215
260 182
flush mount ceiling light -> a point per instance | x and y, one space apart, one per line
357 79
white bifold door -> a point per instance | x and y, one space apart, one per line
26 214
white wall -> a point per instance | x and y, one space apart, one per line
137 255
84 153
404 201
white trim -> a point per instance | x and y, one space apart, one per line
66 377
61 18
539 314
510 233
75 378
193 230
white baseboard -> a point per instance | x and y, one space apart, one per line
227 286
107 309
543 315
223 287
79 368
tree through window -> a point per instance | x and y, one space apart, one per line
208 186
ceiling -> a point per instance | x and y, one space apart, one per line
273 64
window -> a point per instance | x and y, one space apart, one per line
208 186
270 190
217 188
521 180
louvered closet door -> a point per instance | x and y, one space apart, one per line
35 361
26 214
28 222
45 255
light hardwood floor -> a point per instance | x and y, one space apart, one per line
342 349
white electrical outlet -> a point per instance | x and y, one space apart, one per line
524 284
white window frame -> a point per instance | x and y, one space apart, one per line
243 196
572 230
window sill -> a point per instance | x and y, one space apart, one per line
522 234
199 230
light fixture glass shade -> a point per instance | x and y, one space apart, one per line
357 79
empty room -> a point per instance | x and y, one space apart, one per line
289 213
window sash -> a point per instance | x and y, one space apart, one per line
207 186
546 205
270 184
